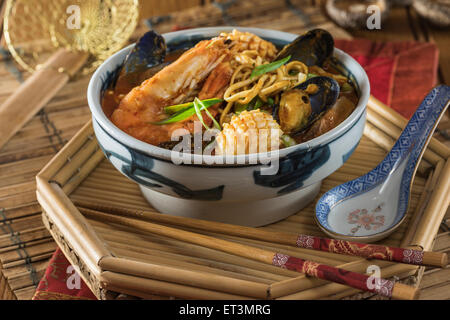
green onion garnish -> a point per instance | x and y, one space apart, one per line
203 107
258 104
241 107
199 114
254 104
288 141
346 87
259 70
179 107
270 101
186 112
311 75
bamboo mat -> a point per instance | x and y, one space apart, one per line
25 244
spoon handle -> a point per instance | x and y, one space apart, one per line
413 140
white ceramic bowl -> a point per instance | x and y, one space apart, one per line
237 193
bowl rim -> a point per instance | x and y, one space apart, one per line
120 136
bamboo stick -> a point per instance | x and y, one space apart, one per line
265 256
16 200
290 239
24 280
136 285
112 294
394 117
23 269
215 267
114 202
75 162
333 288
37 91
24 166
68 150
25 245
29 252
394 131
3 288
185 277
214 256
153 248
420 207
22 224
43 256
23 187
72 224
435 210
22 211
166 251
84 171
386 142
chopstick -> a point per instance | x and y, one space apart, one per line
369 251
359 281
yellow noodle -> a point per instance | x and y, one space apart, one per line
243 88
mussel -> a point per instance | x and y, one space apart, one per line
146 58
303 105
311 48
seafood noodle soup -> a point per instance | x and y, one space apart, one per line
253 95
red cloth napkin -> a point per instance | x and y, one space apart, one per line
62 282
400 75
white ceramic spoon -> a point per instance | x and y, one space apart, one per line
371 207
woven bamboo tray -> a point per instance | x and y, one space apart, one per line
116 259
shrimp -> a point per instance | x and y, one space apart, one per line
217 82
208 64
145 104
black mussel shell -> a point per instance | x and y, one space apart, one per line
311 48
325 97
149 52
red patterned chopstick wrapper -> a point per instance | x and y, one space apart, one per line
352 279
369 251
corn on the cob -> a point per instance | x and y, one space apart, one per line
249 132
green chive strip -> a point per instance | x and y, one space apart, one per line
262 69
244 107
199 114
346 87
186 113
288 141
258 104
179 107
203 107
311 75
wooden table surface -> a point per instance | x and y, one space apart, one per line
402 24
